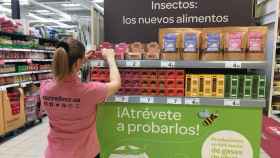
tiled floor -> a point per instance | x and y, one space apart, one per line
32 143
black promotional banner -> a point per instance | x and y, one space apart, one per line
139 20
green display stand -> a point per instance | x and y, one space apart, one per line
128 130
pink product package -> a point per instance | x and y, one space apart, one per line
120 50
106 45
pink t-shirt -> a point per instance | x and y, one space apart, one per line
71 108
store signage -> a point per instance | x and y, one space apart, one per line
139 20
157 130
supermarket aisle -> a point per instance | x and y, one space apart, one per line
32 143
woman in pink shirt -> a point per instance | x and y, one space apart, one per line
71 105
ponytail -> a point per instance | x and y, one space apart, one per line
66 55
60 64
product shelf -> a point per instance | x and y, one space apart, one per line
246 103
26 60
24 73
183 64
27 50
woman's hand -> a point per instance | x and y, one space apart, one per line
108 54
88 54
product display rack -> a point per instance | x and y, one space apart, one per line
27 37
24 63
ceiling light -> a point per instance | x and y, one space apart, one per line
98 1
4 9
21 2
42 11
71 5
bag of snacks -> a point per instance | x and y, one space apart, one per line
153 51
170 39
212 44
235 43
191 43
256 43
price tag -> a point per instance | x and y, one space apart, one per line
2 88
148 100
29 61
132 63
123 99
233 64
174 101
192 101
168 64
98 63
232 102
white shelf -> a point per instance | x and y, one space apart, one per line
2 88
24 73
41 71
183 64
275 112
42 60
27 50
188 101
26 60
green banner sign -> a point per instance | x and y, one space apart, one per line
176 131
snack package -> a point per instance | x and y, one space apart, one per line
136 51
212 44
256 43
169 40
191 44
235 43
121 49
153 51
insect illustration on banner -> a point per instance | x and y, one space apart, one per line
208 118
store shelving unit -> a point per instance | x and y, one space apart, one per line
24 73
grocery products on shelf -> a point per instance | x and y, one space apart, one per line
22 55
173 82
151 82
208 44
7 68
10 25
44 76
31 101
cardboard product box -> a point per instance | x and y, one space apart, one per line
152 52
212 44
136 51
256 43
227 85
259 89
195 87
201 85
235 43
234 86
208 85
169 40
188 85
218 84
13 118
247 88
262 87
231 86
